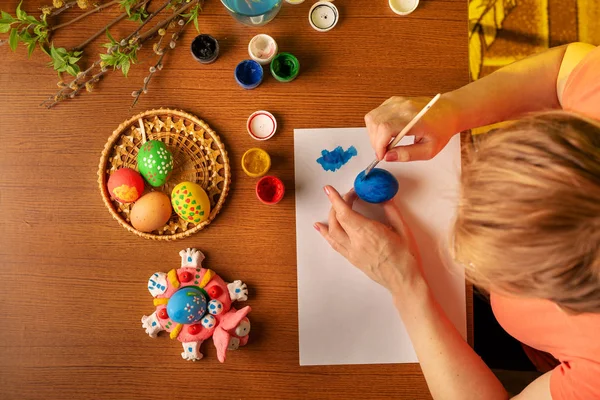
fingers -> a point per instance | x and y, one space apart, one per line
413 152
348 218
335 229
396 220
394 216
332 242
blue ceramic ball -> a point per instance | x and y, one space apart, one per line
377 187
187 305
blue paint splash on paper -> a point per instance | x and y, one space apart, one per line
336 158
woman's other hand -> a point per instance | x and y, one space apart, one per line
386 254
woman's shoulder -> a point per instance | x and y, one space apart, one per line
578 83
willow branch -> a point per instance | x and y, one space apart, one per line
125 41
99 33
108 26
82 16
65 7
167 21
62 91
76 88
159 64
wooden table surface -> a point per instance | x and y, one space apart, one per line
73 282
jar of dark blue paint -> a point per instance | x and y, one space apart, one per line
249 74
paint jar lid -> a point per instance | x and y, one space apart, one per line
270 190
294 1
256 162
261 125
262 48
249 74
403 7
323 16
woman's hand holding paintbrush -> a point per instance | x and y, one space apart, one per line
432 132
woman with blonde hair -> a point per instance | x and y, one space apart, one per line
527 227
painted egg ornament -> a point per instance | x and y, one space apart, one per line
187 305
377 187
190 202
151 212
125 185
155 162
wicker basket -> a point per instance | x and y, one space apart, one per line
199 156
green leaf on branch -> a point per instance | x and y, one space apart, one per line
13 39
65 61
193 16
6 17
121 60
125 67
30 48
127 4
139 15
20 13
4 28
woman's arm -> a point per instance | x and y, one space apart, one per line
533 84
451 367
390 257
524 86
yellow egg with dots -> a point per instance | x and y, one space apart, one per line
190 202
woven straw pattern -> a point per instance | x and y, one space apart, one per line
198 154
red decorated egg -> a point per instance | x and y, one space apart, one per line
125 185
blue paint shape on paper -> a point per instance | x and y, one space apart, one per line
336 158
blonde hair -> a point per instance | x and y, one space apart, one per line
528 220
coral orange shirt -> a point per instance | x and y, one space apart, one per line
574 340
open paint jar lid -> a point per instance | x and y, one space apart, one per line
262 48
256 162
323 16
403 7
261 125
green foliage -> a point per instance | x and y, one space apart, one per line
117 58
65 61
24 28
139 15
127 4
193 16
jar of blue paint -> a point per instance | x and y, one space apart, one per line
249 74
378 186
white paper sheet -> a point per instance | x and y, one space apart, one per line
344 317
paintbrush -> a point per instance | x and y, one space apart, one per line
404 131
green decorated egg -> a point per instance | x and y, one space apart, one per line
190 202
155 162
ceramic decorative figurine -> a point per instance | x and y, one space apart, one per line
193 304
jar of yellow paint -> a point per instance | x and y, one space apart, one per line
256 162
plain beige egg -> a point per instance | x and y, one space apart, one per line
152 211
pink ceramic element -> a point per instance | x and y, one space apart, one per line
192 335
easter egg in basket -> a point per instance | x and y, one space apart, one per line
190 202
125 185
155 162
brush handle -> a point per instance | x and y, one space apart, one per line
414 121
406 129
